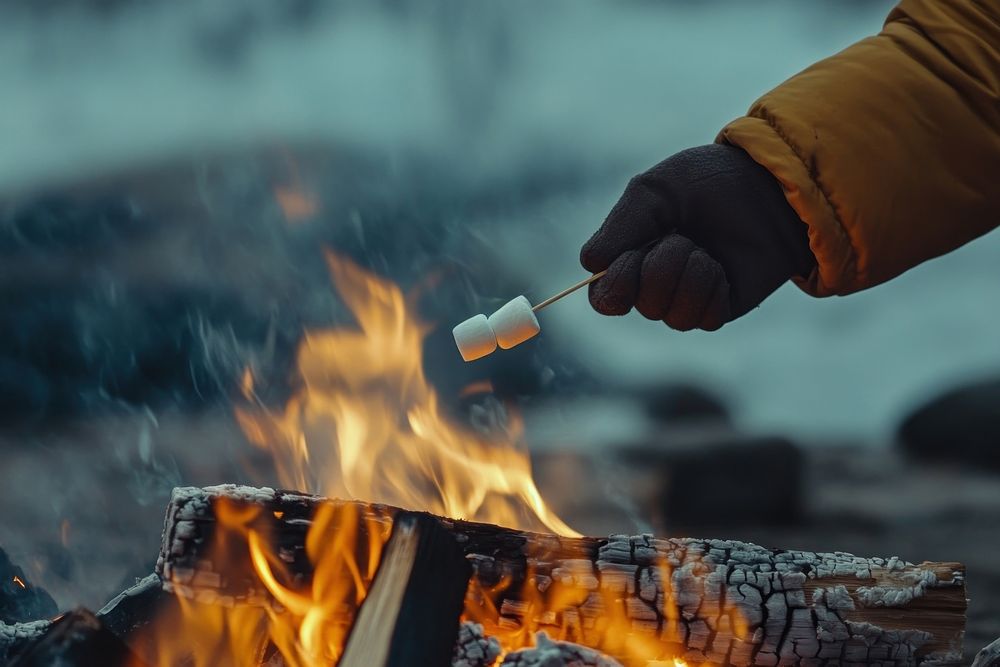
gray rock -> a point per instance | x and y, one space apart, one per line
961 425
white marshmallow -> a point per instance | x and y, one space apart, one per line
514 323
475 338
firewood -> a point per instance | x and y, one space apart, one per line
988 656
136 607
76 639
15 636
411 613
799 607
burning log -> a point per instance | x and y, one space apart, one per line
718 601
411 614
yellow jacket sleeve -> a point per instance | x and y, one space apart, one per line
890 150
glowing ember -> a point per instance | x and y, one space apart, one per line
297 202
19 581
297 205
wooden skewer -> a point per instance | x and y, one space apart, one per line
569 290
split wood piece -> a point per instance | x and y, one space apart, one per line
411 613
800 607
76 639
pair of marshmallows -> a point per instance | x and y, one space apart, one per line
510 326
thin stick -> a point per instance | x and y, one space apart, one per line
569 290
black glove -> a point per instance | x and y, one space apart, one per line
697 241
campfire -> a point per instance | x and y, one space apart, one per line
401 538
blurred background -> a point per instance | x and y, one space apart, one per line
170 173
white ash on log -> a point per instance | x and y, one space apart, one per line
16 636
800 607
548 653
473 648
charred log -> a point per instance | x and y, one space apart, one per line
798 607
14 637
76 639
135 608
988 656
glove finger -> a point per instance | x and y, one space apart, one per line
634 221
718 311
615 293
662 269
695 292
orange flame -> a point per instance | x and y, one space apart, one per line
555 609
312 628
306 622
19 581
367 424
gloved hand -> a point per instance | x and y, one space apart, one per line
697 241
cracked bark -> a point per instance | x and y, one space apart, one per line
796 607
